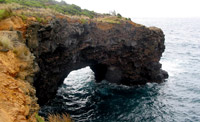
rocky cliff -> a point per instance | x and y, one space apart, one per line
115 48
18 102
123 53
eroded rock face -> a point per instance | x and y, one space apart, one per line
124 53
18 102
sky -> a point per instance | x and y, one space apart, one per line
143 8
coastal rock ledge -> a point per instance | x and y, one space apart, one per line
125 53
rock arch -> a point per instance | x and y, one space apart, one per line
125 53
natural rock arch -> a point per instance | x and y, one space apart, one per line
125 53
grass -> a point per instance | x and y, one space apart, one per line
110 19
20 49
5 43
83 21
13 6
45 10
59 118
5 13
60 7
1 12
39 19
2 1
54 118
24 18
41 9
39 118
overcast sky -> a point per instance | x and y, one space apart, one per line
143 8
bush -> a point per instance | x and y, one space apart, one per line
119 15
83 21
23 17
128 19
5 13
39 19
2 1
60 7
5 43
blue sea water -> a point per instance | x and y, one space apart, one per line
176 100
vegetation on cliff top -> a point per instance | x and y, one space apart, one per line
41 10
5 13
61 7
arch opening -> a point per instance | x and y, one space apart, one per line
74 95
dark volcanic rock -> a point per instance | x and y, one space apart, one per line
123 53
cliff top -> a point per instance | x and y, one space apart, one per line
18 14
50 8
60 7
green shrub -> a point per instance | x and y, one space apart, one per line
119 15
1 12
84 21
128 19
39 19
5 13
60 7
23 17
39 118
2 1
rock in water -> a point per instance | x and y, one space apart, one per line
125 53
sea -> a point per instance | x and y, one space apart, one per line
175 100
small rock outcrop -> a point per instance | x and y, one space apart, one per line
125 53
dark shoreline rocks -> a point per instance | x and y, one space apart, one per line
125 53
